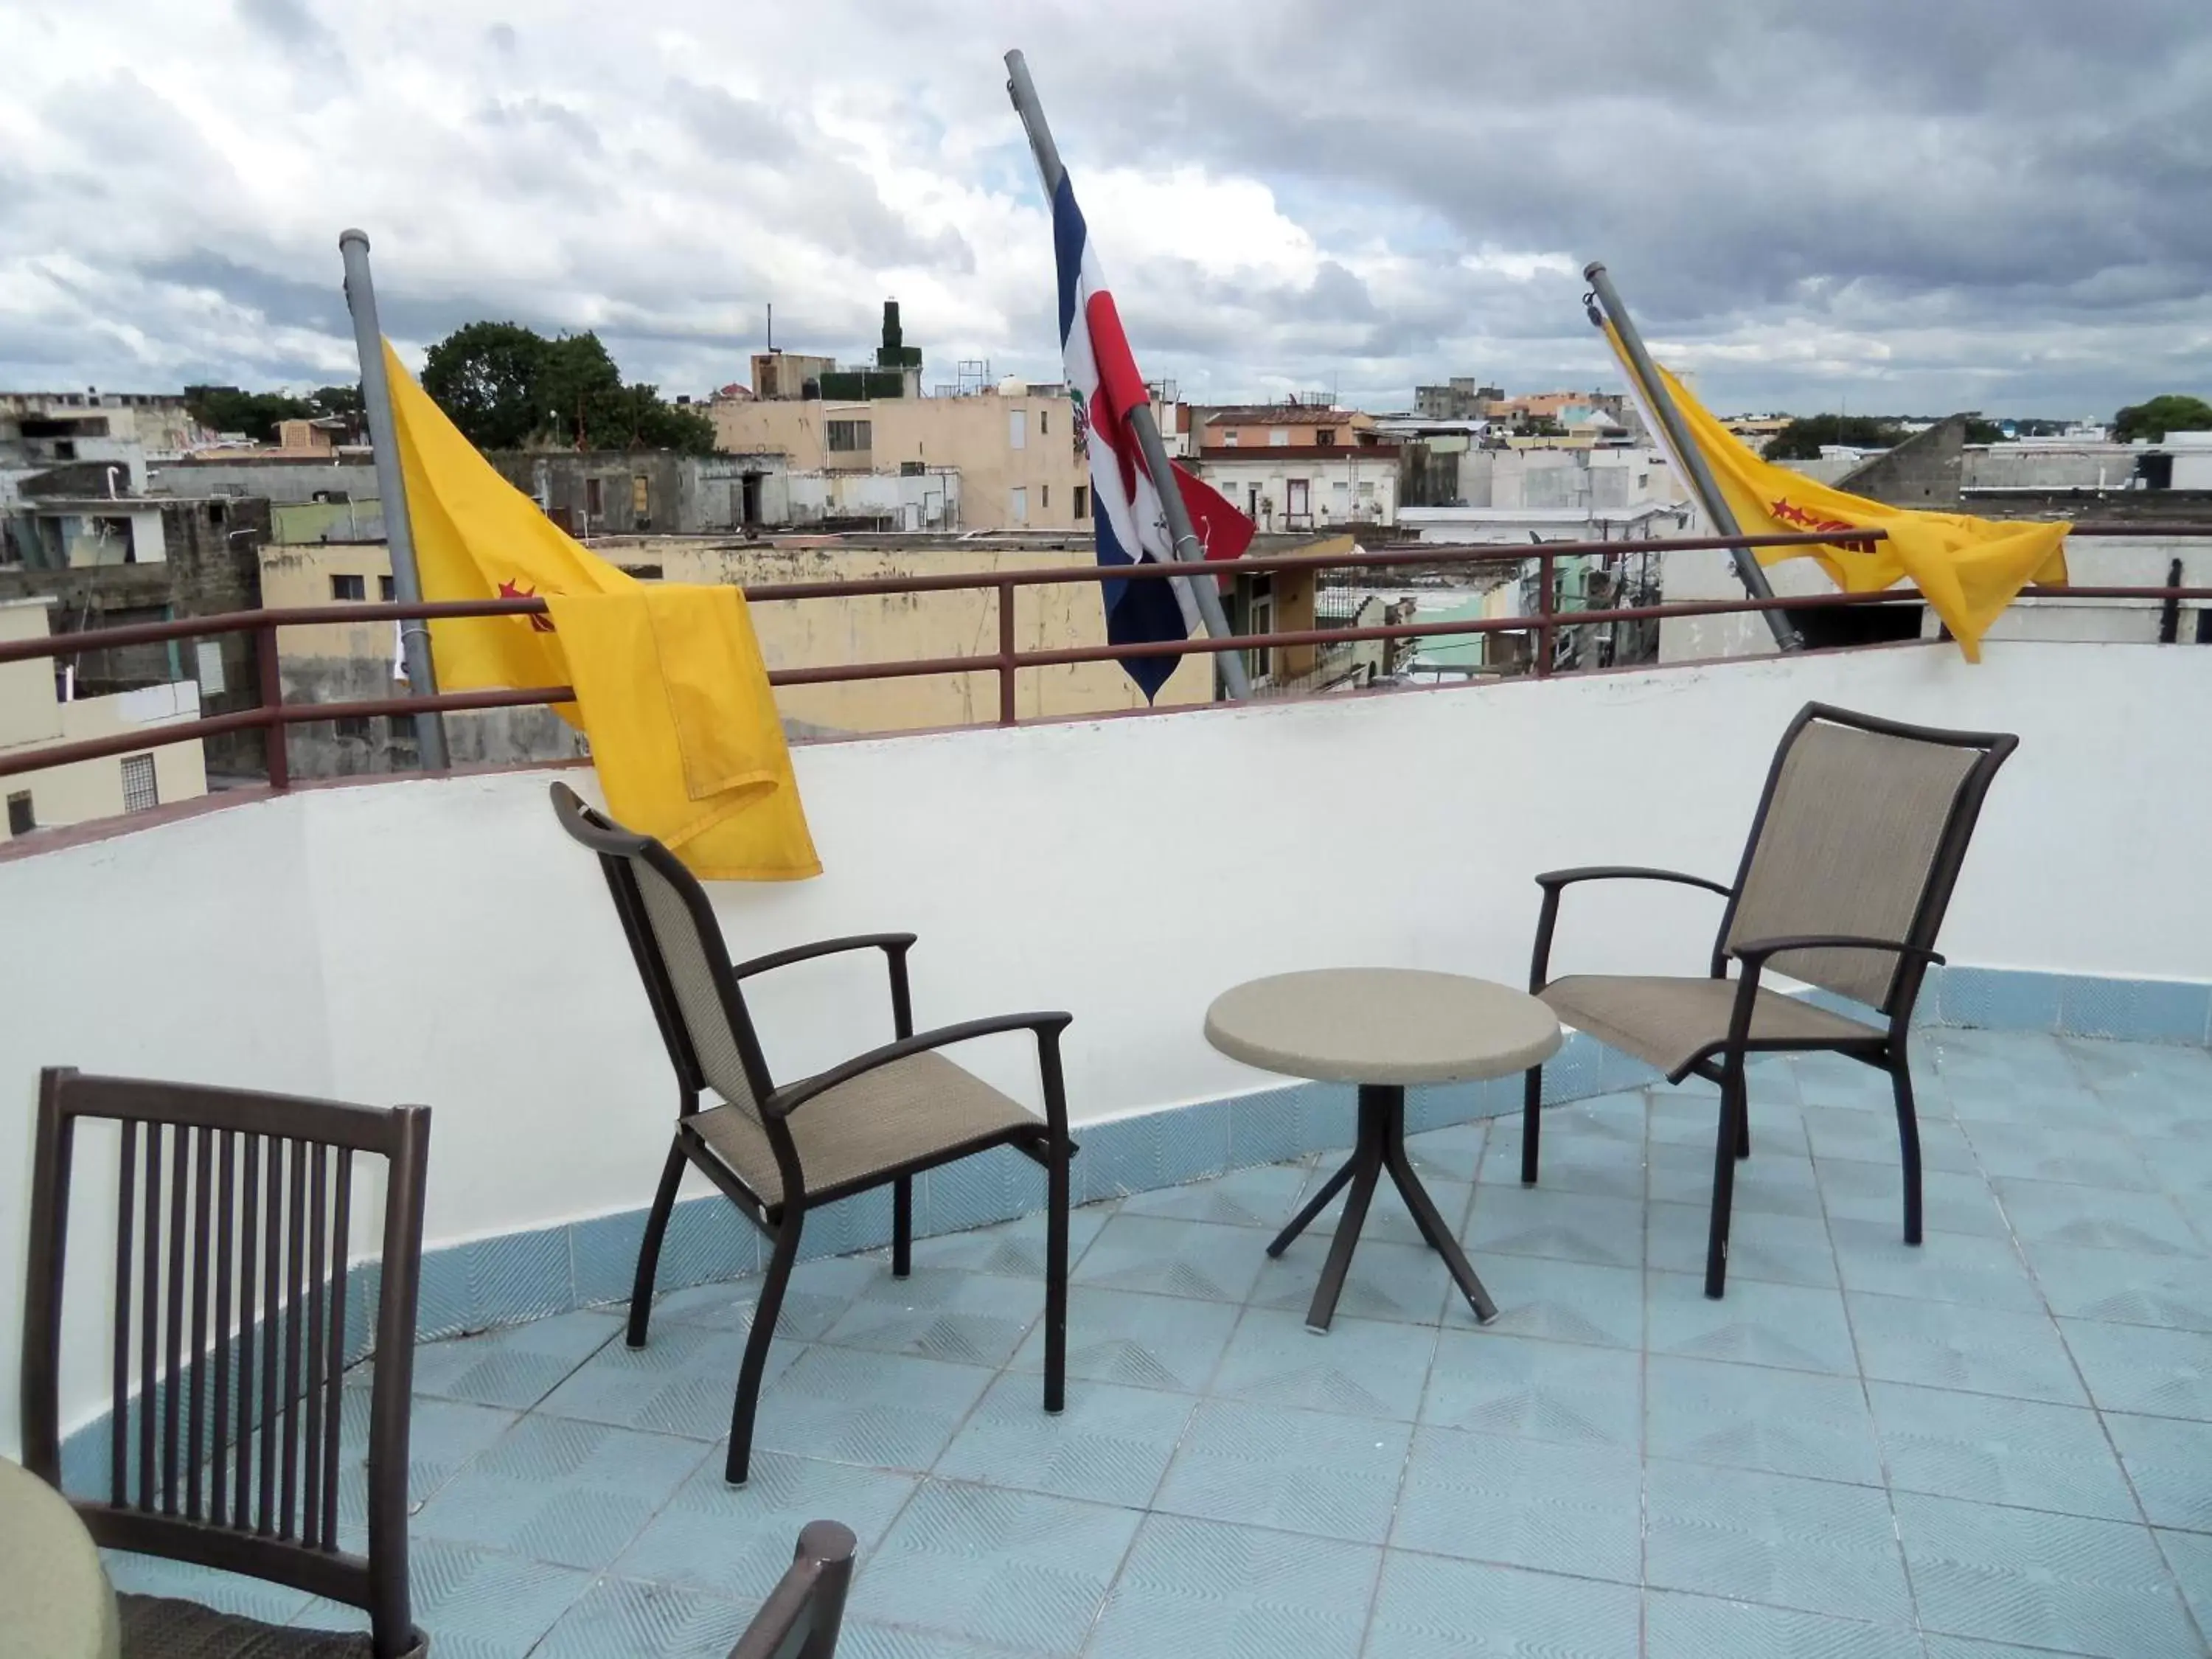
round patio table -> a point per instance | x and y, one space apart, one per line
55 1598
1381 1029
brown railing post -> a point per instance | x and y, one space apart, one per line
1006 592
272 698
1547 609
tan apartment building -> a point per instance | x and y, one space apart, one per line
340 661
1013 449
34 712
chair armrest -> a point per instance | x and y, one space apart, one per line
891 944
807 1606
1047 1027
1552 880
1555 882
1754 955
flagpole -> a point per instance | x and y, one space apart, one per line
1675 433
1206 596
391 487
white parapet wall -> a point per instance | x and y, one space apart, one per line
439 940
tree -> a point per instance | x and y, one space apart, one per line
228 408
1801 439
486 377
1979 431
2172 411
506 386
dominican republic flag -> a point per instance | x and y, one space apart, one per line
1106 387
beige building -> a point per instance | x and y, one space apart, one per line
346 661
1014 451
33 714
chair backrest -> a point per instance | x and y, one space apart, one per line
232 1433
1861 831
680 955
802 1616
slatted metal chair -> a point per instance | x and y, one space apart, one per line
777 1152
803 1614
1853 855
227 1440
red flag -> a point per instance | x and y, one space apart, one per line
1223 531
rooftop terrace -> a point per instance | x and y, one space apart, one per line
1998 1443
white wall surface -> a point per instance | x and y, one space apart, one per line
440 941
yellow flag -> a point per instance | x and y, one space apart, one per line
1968 568
670 685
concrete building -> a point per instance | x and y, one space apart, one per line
1465 526
340 661
1296 469
1612 477
39 706
79 421
1014 451
789 373
1461 398
208 562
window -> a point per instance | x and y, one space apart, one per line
1018 504
641 496
140 793
592 498
1017 422
1082 510
1279 437
216 514
349 587
1044 421
399 729
1326 437
20 819
387 588
352 726
849 437
1229 439
1044 498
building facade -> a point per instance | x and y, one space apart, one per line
1014 451
40 705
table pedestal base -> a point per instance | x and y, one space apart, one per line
1381 1145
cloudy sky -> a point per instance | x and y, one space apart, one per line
1882 204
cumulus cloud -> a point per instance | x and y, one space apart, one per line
1987 203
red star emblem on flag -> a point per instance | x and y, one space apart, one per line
515 590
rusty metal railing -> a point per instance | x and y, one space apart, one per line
274 714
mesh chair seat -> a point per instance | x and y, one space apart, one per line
160 1627
920 1107
1669 1023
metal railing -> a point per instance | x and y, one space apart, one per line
274 714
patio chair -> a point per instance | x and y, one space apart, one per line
778 1152
233 1212
1853 853
803 1614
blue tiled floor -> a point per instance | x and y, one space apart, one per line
1999 1444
